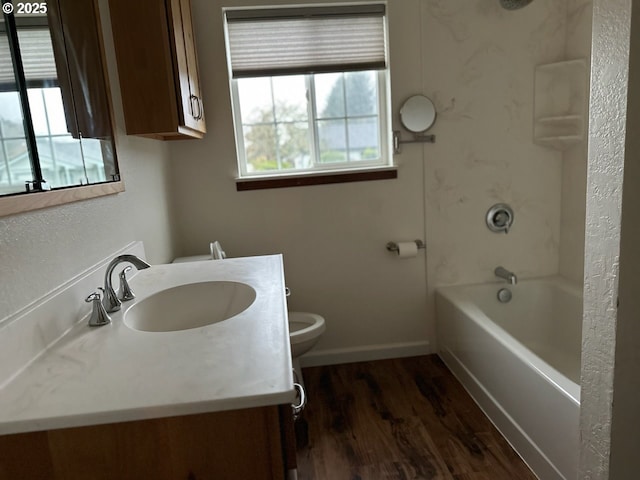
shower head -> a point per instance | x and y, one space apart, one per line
514 4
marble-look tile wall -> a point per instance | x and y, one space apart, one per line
574 164
478 66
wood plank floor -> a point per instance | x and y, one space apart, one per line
400 419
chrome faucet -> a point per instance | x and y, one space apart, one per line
111 301
506 274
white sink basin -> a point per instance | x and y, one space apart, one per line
189 306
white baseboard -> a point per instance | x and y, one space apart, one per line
365 353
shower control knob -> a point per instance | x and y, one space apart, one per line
500 218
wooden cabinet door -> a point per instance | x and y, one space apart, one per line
158 69
233 445
186 66
76 36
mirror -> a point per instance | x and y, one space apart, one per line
418 114
56 126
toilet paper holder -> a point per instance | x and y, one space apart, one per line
393 246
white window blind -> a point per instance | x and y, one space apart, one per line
37 56
285 41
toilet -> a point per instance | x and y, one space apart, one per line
304 332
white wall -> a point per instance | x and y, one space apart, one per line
625 438
607 110
476 61
332 236
40 250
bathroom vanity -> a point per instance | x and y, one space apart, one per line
114 402
238 444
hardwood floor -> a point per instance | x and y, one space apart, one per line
400 419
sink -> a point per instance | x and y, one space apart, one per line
189 306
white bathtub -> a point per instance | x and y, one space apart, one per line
520 361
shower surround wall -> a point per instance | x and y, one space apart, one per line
478 62
574 164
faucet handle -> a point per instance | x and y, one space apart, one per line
126 293
99 315
500 218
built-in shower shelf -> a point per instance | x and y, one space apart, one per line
560 120
560 103
562 142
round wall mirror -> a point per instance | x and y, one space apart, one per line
418 114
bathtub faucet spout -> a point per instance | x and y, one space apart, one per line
506 274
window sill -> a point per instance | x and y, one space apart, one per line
315 178
33 201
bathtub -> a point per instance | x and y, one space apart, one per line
520 361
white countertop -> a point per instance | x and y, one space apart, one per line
116 374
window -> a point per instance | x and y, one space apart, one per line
309 89
37 151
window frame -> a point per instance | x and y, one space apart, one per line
386 158
334 172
